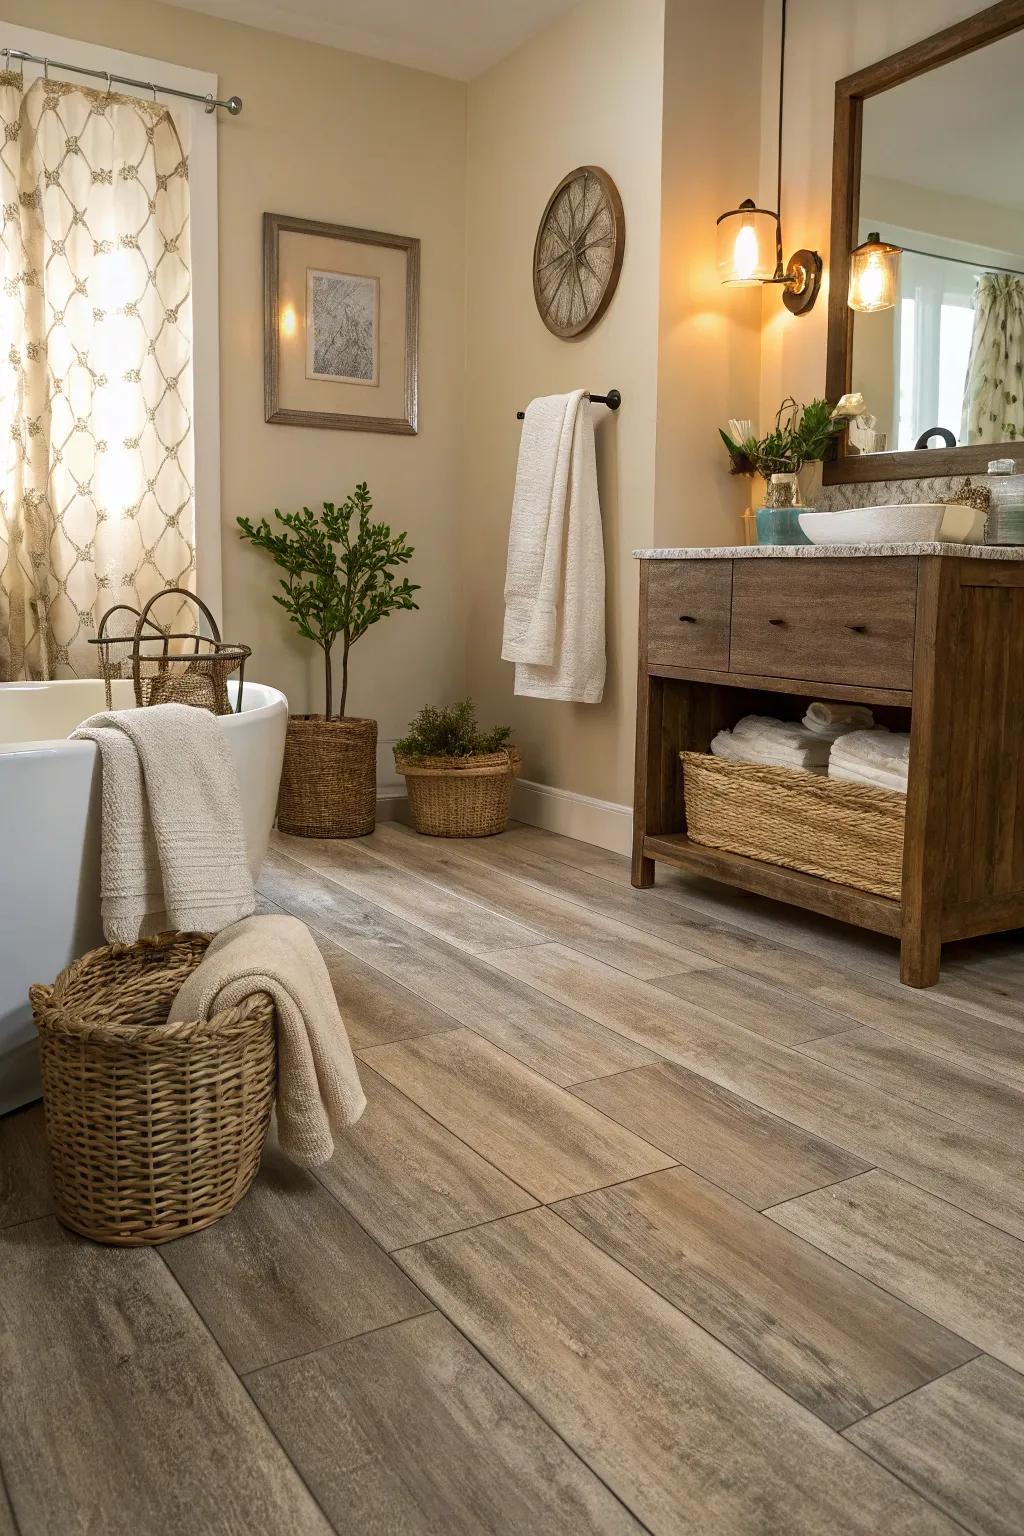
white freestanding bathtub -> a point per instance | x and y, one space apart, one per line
50 838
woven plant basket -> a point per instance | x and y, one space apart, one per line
329 779
849 833
460 796
154 1129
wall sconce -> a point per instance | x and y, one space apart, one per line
750 252
874 275
750 238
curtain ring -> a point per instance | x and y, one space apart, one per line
110 83
46 69
153 89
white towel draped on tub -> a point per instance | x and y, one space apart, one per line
172 838
318 1087
554 582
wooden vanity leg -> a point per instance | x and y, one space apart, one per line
924 842
642 873
920 958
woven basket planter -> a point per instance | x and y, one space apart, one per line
849 833
460 796
329 779
154 1129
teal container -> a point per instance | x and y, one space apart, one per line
780 525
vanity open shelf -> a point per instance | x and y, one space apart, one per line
931 637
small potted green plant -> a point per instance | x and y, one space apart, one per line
802 434
458 777
339 580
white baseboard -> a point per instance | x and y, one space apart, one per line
600 822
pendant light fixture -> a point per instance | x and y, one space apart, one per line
750 238
874 275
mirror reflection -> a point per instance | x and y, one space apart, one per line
942 177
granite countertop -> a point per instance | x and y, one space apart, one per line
832 551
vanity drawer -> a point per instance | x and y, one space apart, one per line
688 603
834 621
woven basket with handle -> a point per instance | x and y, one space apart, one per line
849 833
460 796
169 666
154 1129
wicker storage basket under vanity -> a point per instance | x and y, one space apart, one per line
460 796
849 833
154 1129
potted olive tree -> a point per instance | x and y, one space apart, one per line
458 777
339 580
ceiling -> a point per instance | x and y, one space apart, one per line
459 38
957 129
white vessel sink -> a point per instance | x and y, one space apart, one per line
919 524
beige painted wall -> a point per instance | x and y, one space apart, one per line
824 42
352 140
709 341
587 90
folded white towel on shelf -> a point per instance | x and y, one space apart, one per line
774 743
834 720
318 1087
865 773
554 582
872 757
173 849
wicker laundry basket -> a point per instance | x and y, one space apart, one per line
849 833
460 796
154 1129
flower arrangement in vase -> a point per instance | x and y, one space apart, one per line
801 435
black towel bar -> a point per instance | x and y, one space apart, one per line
612 400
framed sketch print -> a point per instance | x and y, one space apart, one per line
341 317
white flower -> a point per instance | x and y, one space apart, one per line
849 406
739 431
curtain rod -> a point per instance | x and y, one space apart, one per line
964 261
232 105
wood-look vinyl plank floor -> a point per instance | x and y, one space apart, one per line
545 1139
968 1165
958 1441
118 1413
746 1151
288 1271
958 1270
405 1177
686 1434
653 1355
25 1188
409 1429
833 1340
561 1044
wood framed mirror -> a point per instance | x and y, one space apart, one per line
927 153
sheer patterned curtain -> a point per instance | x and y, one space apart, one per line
96 443
994 392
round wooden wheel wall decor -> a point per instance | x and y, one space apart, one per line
577 257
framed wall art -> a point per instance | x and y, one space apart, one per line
341 321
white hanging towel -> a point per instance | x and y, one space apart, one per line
554 580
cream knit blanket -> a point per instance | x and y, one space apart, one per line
173 841
318 1088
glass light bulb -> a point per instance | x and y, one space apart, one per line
745 253
289 320
872 283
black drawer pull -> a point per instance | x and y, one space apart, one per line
687 618
859 629
779 623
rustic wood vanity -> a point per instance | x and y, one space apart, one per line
931 636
